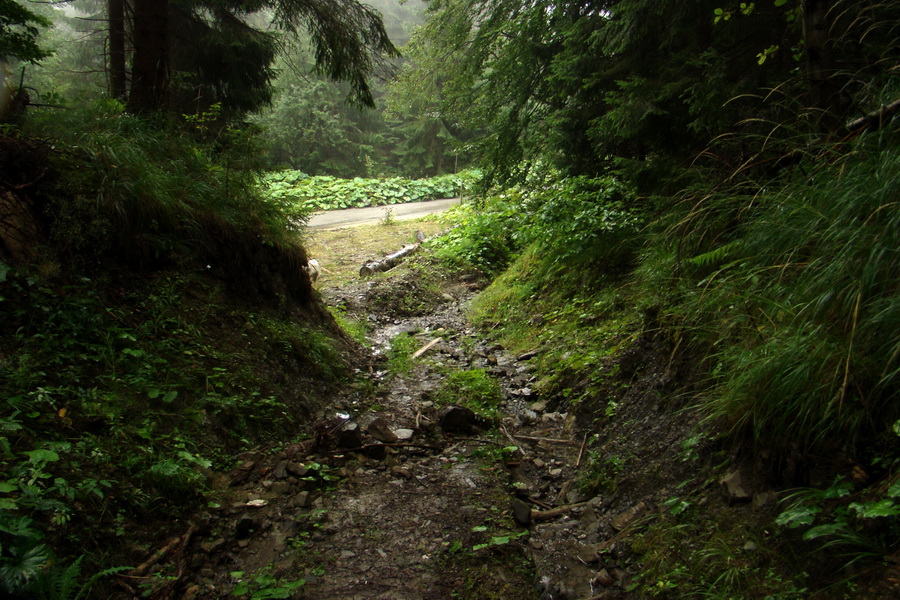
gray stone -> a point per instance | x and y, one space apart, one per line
280 471
296 469
280 488
539 406
625 518
604 578
404 434
733 486
211 546
301 500
521 512
762 499
401 472
381 431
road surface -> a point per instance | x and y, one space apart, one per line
351 217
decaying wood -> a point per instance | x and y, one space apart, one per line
563 492
532 438
426 348
875 119
511 440
546 515
581 451
181 540
538 503
388 262
367 446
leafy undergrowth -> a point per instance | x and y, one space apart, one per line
300 194
156 321
696 351
122 395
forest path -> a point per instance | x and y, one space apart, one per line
401 496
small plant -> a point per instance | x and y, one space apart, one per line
263 585
474 389
400 352
388 218
600 473
866 528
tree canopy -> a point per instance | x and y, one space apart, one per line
195 53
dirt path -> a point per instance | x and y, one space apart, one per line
403 498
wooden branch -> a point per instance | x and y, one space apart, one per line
181 540
425 348
532 438
479 440
511 440
367 446
546 515
581 451
538 503
874 119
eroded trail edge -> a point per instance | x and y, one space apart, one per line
412 496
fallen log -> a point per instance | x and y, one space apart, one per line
391 260
388 262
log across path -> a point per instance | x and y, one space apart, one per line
352 217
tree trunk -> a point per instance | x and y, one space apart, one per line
818 59
150 72
116 17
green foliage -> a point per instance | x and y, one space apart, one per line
150 193
263 586
400 352
797 304
600 474
474 389
119 395
28 568
485 237
19 32
690 554
301 195
860 525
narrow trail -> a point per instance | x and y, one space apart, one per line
404 499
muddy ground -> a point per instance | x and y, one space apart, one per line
398 496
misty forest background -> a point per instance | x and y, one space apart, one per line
722 175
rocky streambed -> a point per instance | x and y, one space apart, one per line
407 498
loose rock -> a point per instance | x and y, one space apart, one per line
381 431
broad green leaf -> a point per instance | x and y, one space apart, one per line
41 455
798 516
871 510
822 530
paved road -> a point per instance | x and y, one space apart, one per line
351 217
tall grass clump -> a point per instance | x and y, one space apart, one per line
151 194
158 190
802 306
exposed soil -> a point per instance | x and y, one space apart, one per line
395 497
